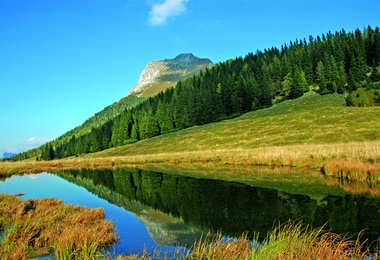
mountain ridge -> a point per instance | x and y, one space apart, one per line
161 74
8 155
158 75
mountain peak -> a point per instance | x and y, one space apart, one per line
185 57
159 75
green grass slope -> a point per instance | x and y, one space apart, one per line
311 119
169 78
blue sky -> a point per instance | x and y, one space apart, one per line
61 61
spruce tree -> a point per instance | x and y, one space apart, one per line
299 84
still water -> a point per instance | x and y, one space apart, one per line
160 213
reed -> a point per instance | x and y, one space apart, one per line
288 241
38 227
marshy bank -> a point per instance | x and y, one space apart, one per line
288 241
32 228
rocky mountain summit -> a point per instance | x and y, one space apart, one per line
159 75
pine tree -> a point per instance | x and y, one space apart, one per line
320 77
299 83
286 84
164 116
47 152
116 132
125 127
94 140
135 134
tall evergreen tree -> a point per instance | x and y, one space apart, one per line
47 152
299 83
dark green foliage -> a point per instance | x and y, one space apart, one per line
377 97
375 75
299 85
337 62
148 126
47 153
349 100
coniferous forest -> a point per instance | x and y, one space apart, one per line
334 62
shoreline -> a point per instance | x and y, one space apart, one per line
357 161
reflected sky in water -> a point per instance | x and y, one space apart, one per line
134 237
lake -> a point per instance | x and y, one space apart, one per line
162 213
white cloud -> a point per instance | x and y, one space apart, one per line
10 149
33 141
160 12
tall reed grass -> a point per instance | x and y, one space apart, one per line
34 228
288 241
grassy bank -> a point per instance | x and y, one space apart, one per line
290 241
351 161
33 228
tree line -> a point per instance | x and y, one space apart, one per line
339 62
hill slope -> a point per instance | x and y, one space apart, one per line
101 117
159 75
156 77
311 119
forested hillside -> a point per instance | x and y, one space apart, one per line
339 62
100 118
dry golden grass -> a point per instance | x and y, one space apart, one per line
156 88
38 227
133 257
217 248
356 187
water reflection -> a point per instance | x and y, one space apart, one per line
234 208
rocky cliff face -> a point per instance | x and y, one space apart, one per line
159 75
150 75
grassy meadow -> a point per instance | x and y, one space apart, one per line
314 131
309 120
